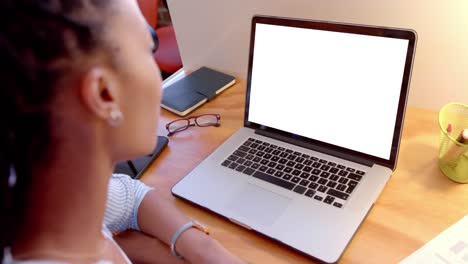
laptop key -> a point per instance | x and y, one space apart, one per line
338 194
276 152
281 148
313 185
292 157
297 153
266 144
331 184
252 151
232 158
243 148
307 169
257 159
291 163
249 157
260 154
322 188
304 183
232 165
358 172
273 180
267 156
305 175
241 161
288 170
329 199
283 161
279 174
323 161
352 183
226 163
343 180
305 156
255 166
287 177
350 169
263 168
273 146
284 154
247 143
248 163
341 167
296 172
272 164
300 189
313 178
251 139
325 174
308 162
262 148
325 167
334 177
350 189
295 179
354 176
248 171
258 141
299 166
289 150
310 193
337 205
316 165
314 158
318 198
280 167
334 170
316 172
275 158
240 168
322 181
341 187
264 161
271 171
343 173
332 164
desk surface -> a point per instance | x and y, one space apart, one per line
418 202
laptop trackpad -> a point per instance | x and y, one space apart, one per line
258 205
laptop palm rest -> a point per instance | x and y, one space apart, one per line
257 204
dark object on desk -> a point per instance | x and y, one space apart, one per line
136 167
190 92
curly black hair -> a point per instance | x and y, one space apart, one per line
39 41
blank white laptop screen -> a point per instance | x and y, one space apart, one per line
338 88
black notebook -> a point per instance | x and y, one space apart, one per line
190 92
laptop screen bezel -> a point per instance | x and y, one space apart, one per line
409 35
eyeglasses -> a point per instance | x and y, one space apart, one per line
201 121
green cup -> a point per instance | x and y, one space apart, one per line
453 154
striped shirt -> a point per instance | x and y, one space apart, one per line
123 200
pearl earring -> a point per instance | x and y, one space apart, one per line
115 118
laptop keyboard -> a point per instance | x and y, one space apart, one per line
319 179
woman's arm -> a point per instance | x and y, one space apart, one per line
158 218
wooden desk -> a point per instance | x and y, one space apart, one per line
417 204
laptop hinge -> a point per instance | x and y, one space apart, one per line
310 146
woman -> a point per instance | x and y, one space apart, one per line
79 92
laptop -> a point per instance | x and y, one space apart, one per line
324 111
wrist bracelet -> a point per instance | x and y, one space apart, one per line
187 226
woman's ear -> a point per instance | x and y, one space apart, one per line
100 94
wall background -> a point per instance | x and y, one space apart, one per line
215 33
